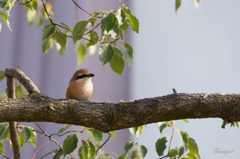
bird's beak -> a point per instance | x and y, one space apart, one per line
91 75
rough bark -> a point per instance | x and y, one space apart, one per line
12 125
109 116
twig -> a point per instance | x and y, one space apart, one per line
39 148
85 10
5 156
23 79
103 143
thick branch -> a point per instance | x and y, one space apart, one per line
12 125
108 116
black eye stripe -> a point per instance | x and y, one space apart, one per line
81 76
84 75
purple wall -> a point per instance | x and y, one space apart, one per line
51 73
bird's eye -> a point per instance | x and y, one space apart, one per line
81 76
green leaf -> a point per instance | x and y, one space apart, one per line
40 19
5 18
28 5
125 25
47 45
4 3
33 138
95 14
31 15
133 130
3 95
120 15
0 26
20 140
108 22
183 138
123 156
61 39
2 75
128 146
79 29
172 153
26 133
20 92
114 32
84 150
91 150
129 54
133 22
192 146
60 49
177 4
80 152
63 129
181 150
134 155
142 150
47 31
106 53
4 131
117 62
93 37
160 146
112 133
1 148
9 7
95 134
191 156
81 52
185 120
196 3
34 4
161 126
69 144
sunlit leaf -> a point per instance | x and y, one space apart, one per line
112 133
183 138
91 150
108 22
142 150
5 18
47 45
172 153
95 134
81 52
20 92
1 148
162 126
192 146
61 39
177 4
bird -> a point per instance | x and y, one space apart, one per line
80 86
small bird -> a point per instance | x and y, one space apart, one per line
80 86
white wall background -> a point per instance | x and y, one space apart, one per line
192 51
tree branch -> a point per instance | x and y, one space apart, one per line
108 116
12 125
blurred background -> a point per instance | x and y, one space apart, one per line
193 51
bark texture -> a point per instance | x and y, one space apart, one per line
108 116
